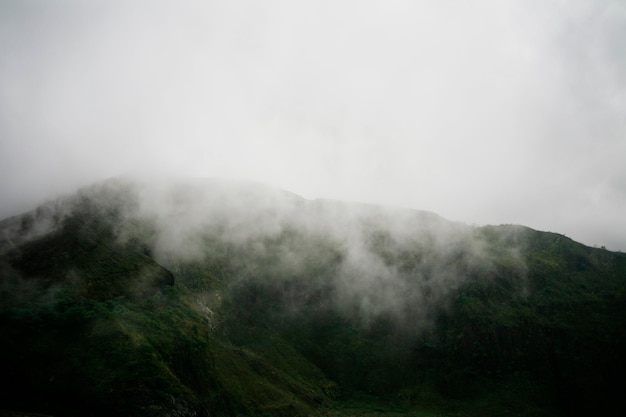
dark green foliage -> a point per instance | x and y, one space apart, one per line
92 325
101 316
563 333
82 342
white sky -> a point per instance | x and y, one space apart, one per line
485 112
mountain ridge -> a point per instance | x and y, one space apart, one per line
222 299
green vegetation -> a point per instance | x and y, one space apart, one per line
302 309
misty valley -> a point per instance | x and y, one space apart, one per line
222 298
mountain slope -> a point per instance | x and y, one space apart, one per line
222 298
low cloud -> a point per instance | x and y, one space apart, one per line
489 112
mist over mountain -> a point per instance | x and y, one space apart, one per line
173 295
204 297
483 111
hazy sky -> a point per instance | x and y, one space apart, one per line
486 112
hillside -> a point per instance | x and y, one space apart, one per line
206 297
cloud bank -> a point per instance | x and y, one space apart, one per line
483 111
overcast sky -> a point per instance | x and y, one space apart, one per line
485 112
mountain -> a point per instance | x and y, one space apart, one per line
210 297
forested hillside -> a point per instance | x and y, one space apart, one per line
209 298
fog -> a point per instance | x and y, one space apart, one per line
484 112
